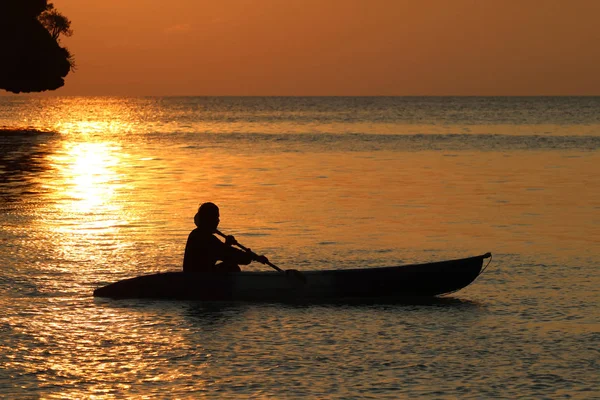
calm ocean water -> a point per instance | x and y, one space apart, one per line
93 190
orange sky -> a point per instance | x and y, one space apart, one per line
333 47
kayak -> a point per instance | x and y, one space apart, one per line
416 280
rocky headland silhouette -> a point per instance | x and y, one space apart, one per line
31 58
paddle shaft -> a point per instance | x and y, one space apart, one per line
249 251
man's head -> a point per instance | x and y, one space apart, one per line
207 217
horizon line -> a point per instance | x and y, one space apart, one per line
45 94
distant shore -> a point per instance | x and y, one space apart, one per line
30 130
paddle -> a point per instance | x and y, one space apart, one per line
296 273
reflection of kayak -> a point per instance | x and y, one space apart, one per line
429 279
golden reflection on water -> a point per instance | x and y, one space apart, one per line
91 116
87 173
83 351
94 127
86 211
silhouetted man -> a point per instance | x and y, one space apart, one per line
203 249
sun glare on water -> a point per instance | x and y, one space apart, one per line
84 213
89 177
87 202
89 164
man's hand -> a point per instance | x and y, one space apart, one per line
261 259
230 240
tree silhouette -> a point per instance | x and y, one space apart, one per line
31 58
55 22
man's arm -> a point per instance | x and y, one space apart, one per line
237 256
